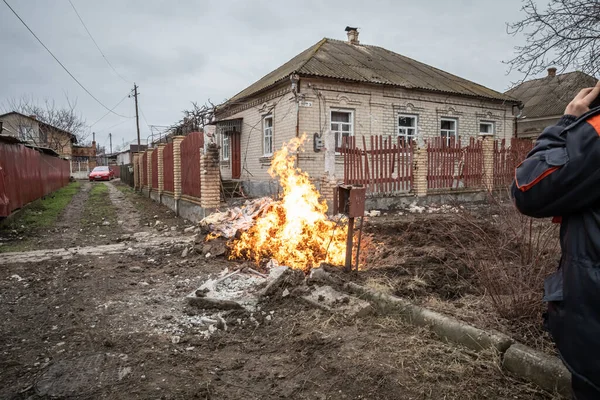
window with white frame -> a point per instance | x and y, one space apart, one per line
26 133
449 129
268 135
407 128
225 147
341 125
486 128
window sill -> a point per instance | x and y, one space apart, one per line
486 134
265 160
224 163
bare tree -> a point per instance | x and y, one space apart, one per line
566 35
195 119
65 118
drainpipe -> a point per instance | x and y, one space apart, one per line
295 89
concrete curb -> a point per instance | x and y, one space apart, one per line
546 371
446 327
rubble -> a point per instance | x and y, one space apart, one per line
328 299
228 223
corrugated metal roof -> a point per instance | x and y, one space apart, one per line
550 95
337 59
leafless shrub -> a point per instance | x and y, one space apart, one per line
512 256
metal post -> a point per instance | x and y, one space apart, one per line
348 266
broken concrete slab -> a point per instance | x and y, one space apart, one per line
327 298
546 371
212 303
281 277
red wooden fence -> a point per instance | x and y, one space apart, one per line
144 169
383 167
168 177
507 158
27 174
452 166
190 164
154 162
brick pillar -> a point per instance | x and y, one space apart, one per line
136 171
488 162
210 177
328 185
420 171
161 180
149 166
177 170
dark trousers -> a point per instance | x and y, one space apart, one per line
583 390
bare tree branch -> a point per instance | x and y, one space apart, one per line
566 35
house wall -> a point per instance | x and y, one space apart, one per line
281 105
375 112
124 158
532 128
376 109
53 139
11 123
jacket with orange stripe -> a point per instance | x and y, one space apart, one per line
561 177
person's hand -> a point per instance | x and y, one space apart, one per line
581 103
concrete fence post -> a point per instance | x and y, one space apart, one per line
136 171
328 185
161 171
488 162
149 168
210 177
420 171
177 170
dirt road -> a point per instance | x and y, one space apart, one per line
105 319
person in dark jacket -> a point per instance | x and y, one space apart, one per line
561 178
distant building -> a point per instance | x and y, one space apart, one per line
29 129
545 100
343 89
125 157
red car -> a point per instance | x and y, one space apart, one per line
102 174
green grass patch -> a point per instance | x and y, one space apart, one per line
42 213
39 214
99 209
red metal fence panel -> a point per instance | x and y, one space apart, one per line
154 161
190 164
144 169
116 169
168 177
383 167
452 166
507 158
27 174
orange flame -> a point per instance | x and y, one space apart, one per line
295 231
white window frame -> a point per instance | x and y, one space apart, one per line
26 133
268 135
337 132
225 141
490 123
448 131
401 131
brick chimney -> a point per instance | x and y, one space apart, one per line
33 116
552 72
352 35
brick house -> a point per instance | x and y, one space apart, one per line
545 99
343 88
29 129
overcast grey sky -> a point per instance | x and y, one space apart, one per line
192 50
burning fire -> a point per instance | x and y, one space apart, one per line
295 231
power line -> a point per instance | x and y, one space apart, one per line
101 118
110 127
58 61
98 47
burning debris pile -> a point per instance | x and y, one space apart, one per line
295 230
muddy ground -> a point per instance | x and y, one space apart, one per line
115 326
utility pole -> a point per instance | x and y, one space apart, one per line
110 141
137 117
